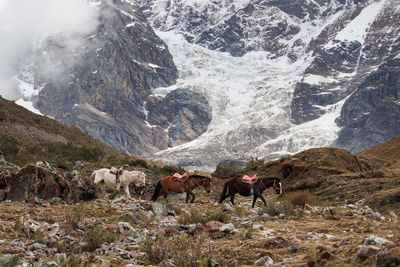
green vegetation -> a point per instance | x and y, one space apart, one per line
224 169
96 236
60 154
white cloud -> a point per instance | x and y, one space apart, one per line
25 23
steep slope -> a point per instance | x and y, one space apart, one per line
388 152
26 137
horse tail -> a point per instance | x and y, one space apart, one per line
156 191
222 197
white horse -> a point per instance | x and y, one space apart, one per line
127 177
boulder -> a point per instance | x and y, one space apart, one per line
159 209
365 252
34 182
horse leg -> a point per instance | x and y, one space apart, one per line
254 200
187 197
232 199
263 200
165 192
126 189
193 197
118 186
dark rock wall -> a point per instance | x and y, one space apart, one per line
103 93
372 114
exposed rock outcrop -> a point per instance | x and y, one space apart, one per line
35 182
103 93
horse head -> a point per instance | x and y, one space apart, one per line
277 186
142 178
207 184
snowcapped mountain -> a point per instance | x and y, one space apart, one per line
289 70
225 79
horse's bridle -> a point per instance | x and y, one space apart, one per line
277 188
203 183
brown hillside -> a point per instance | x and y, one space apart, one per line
26 137
335 175
310 168
389 152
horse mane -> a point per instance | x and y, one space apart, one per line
197 176
271 178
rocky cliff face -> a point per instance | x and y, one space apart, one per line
361 72
339 46
104 91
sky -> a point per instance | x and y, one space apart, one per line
24 24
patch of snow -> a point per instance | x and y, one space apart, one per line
130 24
313 79
94 110
28 105
357 29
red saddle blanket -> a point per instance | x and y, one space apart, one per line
248 180
116 171
180 177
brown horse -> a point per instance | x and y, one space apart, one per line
236 185
170 183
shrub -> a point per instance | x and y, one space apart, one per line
9 146
169 170
253 164
277 208
130 217
224 169
139 163
112 192
74 217
96 236
182 250
300 198
195 216
156 250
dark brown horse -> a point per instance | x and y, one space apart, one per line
170 183
236 185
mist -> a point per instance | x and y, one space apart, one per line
26 24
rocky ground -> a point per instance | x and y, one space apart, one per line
138 232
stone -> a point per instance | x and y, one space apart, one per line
214 225
293 249
264 261
385 259
167 263
7 260
226 207
36 246
48 241
125 228
134 254
394 216
227 228
375 240
364 252
35 183
159 209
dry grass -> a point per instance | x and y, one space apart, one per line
300 198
